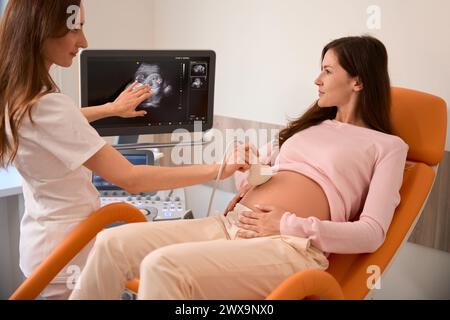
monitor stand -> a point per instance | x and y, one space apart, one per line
127 140
132 142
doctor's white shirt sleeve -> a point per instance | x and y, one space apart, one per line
61 129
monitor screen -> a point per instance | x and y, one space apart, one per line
182 83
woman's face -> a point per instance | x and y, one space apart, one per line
61 51
336 86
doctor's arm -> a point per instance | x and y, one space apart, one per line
115 168
124 106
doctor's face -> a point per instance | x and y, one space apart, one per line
61 51
336 86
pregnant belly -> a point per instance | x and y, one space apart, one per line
293 192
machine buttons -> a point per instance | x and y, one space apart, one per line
155 207
150 212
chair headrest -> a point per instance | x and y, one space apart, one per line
420 119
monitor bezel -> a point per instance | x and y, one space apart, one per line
143 54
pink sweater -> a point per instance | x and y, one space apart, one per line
360 171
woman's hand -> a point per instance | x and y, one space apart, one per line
262 223
125 104
239 195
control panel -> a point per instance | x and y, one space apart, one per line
159 206
156 206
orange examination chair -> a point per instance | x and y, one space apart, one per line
420 119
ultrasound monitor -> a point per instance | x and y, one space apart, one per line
182 83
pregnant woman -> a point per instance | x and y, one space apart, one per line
338 170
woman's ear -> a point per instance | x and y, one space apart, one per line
358 85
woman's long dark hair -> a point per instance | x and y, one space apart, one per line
24 77
364 57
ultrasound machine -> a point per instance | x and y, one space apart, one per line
182 83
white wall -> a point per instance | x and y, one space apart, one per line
268 51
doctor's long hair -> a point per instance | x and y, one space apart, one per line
364 57
24 78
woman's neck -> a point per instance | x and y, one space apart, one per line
350 118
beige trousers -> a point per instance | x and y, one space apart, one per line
192 259
55 291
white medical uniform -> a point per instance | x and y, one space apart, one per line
57 188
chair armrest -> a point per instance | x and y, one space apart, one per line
73 244
311 283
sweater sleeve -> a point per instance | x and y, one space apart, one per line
267 155
368 233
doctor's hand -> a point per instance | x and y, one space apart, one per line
243 153
125 104
237 160
229 169
262 223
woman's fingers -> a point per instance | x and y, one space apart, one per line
248 217
248 227
131 87
227 209
237 198
247 234
140 113
232 204
253 153
145 95
249 224
250 214
139 100
238 155
141 91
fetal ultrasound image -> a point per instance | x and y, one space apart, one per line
198 83
198 69
151 74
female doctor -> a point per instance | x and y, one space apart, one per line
49 139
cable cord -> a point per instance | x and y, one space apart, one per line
219 174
